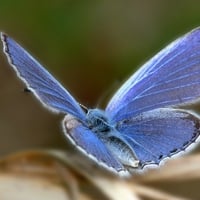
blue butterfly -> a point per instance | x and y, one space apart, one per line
142 123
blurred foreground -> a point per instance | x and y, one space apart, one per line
54 174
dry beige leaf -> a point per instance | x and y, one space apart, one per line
59 175
16 187
181 169
31 170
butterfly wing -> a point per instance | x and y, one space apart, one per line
90 144
172 77
160 133
46 88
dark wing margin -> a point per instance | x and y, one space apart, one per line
160 133
45 87
170 78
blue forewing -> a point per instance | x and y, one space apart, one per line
39 80
172 77
143 125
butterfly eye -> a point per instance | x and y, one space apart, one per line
97 121
98 125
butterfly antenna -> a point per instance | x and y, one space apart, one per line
85 109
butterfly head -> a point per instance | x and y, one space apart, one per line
98 121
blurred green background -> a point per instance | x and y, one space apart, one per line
91 47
